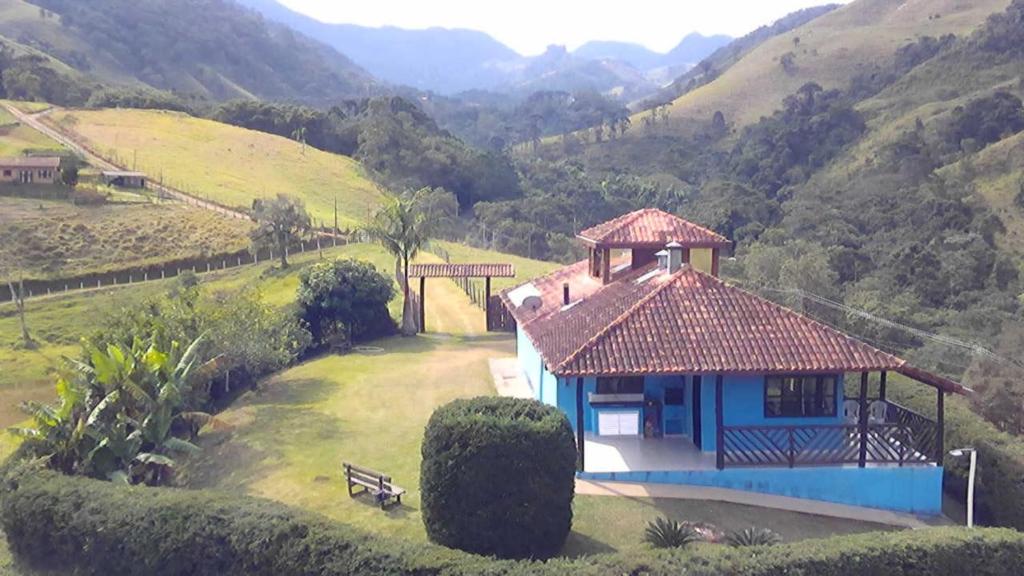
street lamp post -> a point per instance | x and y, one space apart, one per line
970 480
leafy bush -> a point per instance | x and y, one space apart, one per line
498 476
86 527
249 337
120 414
345 300
665 533
753 537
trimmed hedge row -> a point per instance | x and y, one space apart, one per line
497 477
1000 486
83 526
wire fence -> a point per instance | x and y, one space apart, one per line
135 274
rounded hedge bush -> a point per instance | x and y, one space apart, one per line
498 477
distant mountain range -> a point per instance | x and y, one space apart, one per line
449 61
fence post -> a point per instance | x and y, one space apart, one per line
207 265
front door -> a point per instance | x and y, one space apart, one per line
695 419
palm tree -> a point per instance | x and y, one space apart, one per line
401 228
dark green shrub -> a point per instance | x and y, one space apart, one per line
753 537
90 527
665 533
346 301
74 525
498 476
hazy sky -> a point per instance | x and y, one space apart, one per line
529 26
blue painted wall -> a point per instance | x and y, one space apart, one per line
543 382
743 405
916 489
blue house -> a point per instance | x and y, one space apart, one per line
669 374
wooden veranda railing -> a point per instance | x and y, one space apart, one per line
904 438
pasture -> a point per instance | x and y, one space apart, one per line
225 164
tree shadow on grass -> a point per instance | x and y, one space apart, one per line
275 437
578 545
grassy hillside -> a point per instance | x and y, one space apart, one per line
46 238
58 322
828 50
16 139
226 164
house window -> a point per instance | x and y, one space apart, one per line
800 396
7 173
675 396
621 385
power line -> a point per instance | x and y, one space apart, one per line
971 347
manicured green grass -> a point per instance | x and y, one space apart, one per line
48 238
616 523
226 164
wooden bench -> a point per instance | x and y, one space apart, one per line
377 484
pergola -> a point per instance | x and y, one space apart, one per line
455 271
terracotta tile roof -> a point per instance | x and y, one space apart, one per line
462 270
31 162
654 227
650 322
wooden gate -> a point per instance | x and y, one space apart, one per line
499 319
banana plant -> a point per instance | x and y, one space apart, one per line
60 430
118 413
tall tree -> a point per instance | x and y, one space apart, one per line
402 229
282 221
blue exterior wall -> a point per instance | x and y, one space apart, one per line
915 489
743 405
543 382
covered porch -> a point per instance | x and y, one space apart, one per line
626 453
716 422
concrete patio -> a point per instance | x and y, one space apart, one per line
632 453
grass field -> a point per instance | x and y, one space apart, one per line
57 323
47 238
229 165
17 139
828 50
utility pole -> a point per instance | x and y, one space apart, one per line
18 296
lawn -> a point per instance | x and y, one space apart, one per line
226 164
286 441
49 238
